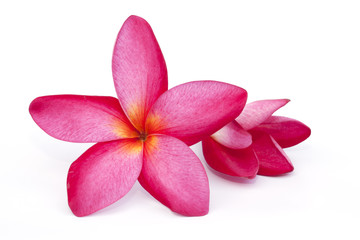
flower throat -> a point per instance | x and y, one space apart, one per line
142 136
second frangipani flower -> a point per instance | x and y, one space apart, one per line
144 134
252 143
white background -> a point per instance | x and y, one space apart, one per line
308 51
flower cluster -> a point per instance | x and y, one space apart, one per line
145 134
252 143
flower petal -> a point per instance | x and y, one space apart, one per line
257 112
233 136
139 69
103 175
286 131
174 175
272 159
195 110
77 118
233 162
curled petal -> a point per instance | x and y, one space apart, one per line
139 69
77 118
103 175
233 162
174 175
195 110
233 136
286 131
272 158
257 112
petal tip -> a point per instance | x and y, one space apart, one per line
251 177
196 212
201 212
283 102
286 131
134 19
75 211
34 106
188 210
257 112
277 172
308 132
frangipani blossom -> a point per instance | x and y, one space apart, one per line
252 143
144 134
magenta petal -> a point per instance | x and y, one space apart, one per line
195 110
233 136
257 112
233 162
174 175
139 69
272 158
77 118
103 175
286 131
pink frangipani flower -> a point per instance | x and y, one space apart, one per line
144 134
252 143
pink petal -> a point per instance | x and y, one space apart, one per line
139 69
233 136
174 175
286 131
195 110
257 112
76 118
234 162
103 175
272 159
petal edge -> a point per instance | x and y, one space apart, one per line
272 158
233 135
233 162
139 69
255 113
103 175
286 131
195 110
79 118
174 175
